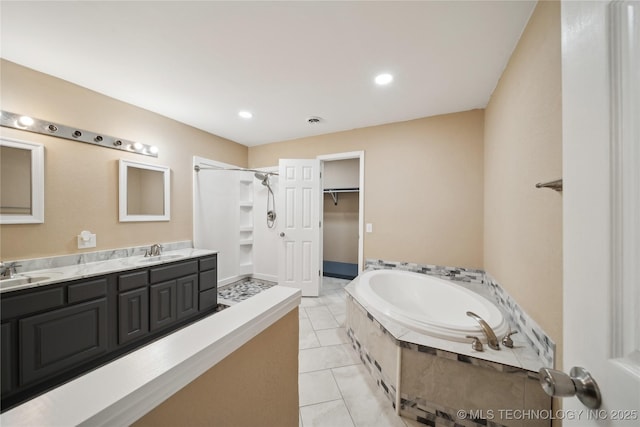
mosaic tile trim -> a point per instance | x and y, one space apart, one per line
538 339
375 370
86 257
242 289
449 273
431 414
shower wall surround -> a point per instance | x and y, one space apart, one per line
535 336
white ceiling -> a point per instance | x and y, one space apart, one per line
202 62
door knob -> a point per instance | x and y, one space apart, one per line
578 383
282 234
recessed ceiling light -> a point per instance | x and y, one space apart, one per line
383 79
245 114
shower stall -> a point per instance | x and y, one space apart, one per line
235 214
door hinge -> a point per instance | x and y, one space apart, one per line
320 224
318 272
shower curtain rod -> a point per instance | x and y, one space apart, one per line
198 168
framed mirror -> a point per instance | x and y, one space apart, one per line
21 182
144 192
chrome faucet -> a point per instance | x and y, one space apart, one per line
156 249
8 271
492 340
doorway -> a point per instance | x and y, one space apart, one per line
342 213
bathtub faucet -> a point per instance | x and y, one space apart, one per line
492 340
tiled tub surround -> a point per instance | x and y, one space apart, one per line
439 378
528 329
71 267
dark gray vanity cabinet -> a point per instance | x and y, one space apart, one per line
51 330
133 306
54 333
54 341
208 282
7 358
174 293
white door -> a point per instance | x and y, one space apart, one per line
601 168
299 228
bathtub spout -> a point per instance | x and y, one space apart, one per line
492 340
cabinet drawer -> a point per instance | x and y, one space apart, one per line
41 299
208 263
208 279
53 342
135 280
173 271
208 299
87 290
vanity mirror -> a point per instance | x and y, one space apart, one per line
21 182
144 192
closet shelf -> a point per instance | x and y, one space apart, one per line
335 191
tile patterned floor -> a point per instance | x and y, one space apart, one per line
335 388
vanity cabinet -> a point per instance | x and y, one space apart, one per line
133 306
53 333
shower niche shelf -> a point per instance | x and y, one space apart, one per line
245 226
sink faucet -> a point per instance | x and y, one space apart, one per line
156 249
492 340
8 271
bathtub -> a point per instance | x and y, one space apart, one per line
429 305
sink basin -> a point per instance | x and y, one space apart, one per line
159 258
22 280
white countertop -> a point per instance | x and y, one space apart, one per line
91 269
127 388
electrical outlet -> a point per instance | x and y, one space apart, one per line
369 228
86 240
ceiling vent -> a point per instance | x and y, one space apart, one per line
314 119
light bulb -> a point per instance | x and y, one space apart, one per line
25 121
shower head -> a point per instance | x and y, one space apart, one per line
264 177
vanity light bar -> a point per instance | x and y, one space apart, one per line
21 122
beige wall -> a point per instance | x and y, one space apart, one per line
242 390
423 185
340 228
81 180
523 146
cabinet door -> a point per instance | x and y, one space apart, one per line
163 305
133 315
187 289
8 358
53 342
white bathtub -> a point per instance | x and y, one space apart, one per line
429 305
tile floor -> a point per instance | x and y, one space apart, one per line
335 388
